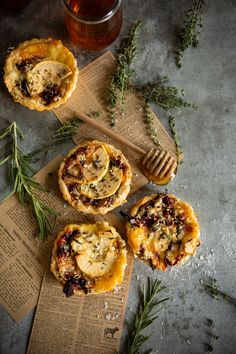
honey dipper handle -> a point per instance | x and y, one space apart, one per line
109 132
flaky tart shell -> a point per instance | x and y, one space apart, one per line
88 258
89 205
163 230
24 58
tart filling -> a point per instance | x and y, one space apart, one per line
88 258
163 230
41 74
95 177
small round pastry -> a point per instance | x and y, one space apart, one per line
95 177
41 74
163 230
89 258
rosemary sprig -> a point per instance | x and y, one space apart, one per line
212 334
121 78
167 97
175 137
190 30
148 118
24 186
213 288
145 315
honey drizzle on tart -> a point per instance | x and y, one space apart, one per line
163 230
95 185
88 258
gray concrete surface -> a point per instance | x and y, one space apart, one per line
206 179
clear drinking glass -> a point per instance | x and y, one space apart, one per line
93 24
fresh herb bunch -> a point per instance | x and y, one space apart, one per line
175 137
121 78
212 334
213 288
24 186
167 97
190 30
145 315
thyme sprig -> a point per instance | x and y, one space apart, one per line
213 288
212 335
148 118
66 132
26 187
145 315
167 97
190 30
123 72
175 137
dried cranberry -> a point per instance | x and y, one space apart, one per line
23 87
72 188
68 288
25 64
50 93
168 201
74 283
64 243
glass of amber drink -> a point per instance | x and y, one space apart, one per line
93 24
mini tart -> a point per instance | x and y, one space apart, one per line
95 177
163 231
41 74
89 258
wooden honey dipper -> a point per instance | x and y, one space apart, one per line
158 165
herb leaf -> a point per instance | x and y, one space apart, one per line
121 78
190 30
145 315
26 187
175 137
213 337
148 118
213 288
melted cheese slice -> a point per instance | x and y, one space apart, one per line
106 187
96 253
91 166
45 74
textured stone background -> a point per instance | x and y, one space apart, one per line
206 179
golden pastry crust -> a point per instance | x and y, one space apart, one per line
89 258
95 177
163 230
41 74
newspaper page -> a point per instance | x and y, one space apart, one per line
91 96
